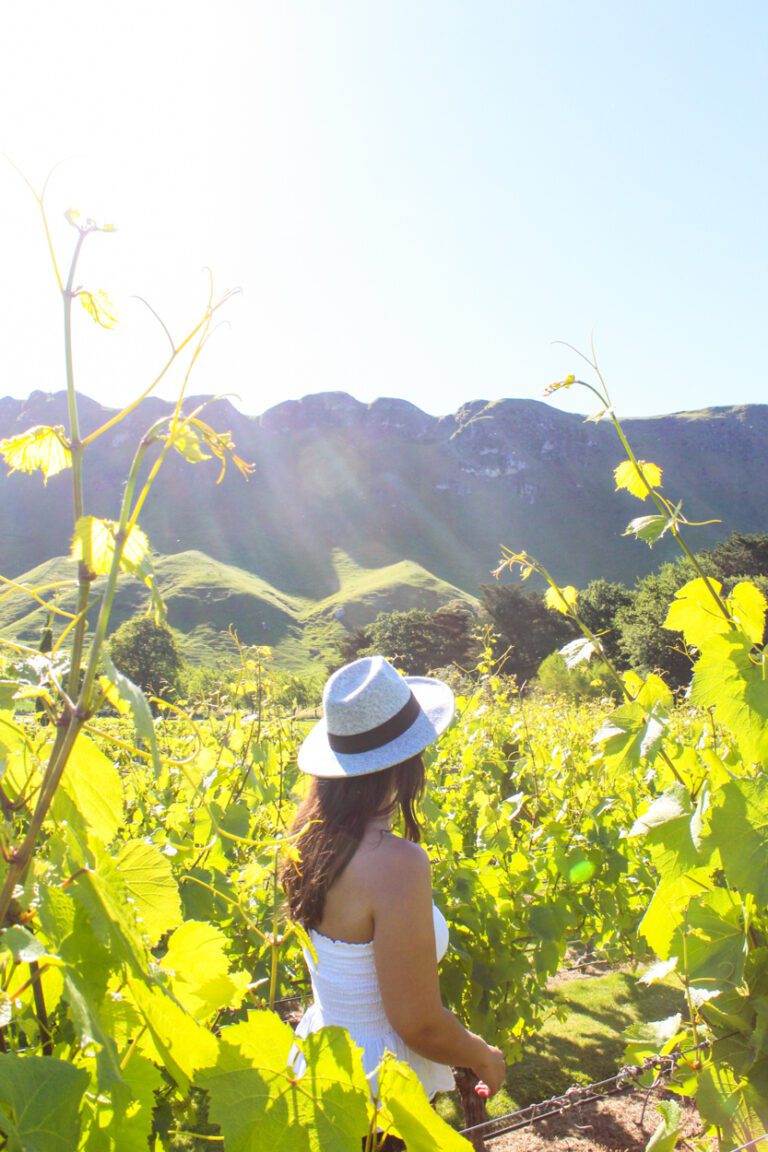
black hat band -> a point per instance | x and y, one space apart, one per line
380 735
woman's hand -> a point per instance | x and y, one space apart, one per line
491 1069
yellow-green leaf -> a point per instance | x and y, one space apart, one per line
189 444
98 305
415 1120
260 1101
695 613
40 1102
153 892
90 790
39 449
198 967
561 599
173 1036
636 478
747 605
94 543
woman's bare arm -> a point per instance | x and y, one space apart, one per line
406 964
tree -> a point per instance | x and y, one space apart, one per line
527 630
742 554
419 641
599 605
646 644
147 653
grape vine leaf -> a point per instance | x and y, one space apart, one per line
666 910
259 1101
728 680
666 1135
739 829
670 831
39 1103
127 697
125 1123
695 613
93 543
748 607
91 792
632 477
173 1036
651 1037
188 443
648 528
414 1118
711 941
151 887
632 733
99 307
561 599
199 970
39 449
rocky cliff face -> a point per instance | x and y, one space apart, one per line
386 481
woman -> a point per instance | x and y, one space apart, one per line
365 894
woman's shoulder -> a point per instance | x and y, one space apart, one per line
400 863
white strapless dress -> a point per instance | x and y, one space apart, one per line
346 993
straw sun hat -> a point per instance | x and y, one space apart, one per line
373 718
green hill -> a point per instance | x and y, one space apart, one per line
207 599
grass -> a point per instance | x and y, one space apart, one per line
586 1045
205 598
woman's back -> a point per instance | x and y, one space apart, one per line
350 902
345 982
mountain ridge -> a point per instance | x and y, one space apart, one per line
385 482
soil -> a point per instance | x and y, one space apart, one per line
613 1124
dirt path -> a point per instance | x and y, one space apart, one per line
614 1124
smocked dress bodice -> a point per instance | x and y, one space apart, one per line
346 993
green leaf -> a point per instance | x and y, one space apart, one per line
125 696
99 307
739 829
94 542
659 971
668 828
152 889
259 1101
666 1136
23 946
547 921
130 900
711 942
651 1038
39 1103
632 477
39 449
727 680
695 613
666 910
175 1038
188 443
125 1123
91 1034
561 599
91 791
648 528
748 606
197 963
631 734
414 1117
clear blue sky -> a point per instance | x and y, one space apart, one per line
417 198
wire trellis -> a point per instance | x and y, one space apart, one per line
580 1094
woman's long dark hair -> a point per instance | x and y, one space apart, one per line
331 821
